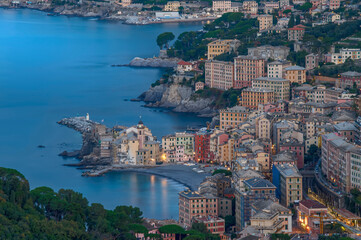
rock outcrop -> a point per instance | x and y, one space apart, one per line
153 62
178 98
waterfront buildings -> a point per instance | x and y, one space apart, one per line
183 66
223 6
252 97
265 22
172 6
288 181
202 147
220 46
231 117
178 147
246 69
219 74
280 86
296 74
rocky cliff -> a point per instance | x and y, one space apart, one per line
179 98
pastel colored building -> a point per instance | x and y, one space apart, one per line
192 204
280 86
265 22
252 97
246 69
219 74
220 46
295 33
288 181
232 117
296 74
202 147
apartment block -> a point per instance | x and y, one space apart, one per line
232 117
252 97
246 69
220 46
288 181
192 204
219 74
265 22
295 33
296 74
280 86
202 147
344 54
254 189
276 69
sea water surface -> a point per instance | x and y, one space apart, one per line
55 67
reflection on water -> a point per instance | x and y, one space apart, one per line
55 67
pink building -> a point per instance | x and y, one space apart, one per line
295 147
335 4
246 69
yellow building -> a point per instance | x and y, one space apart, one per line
220 46
226 151
289 184
149 154
280 87
232 117
172 6
251 97
265 22
296 74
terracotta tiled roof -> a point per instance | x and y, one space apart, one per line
184 63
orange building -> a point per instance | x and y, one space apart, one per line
247 68
296 74
232 117
251 97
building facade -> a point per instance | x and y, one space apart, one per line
246 69
252 97
219 74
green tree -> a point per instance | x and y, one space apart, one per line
163 39
291 22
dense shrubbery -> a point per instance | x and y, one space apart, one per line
193 45
222 99
45 214
335 70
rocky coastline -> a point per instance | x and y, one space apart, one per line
154 62
178 98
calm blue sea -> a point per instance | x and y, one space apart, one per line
55 67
